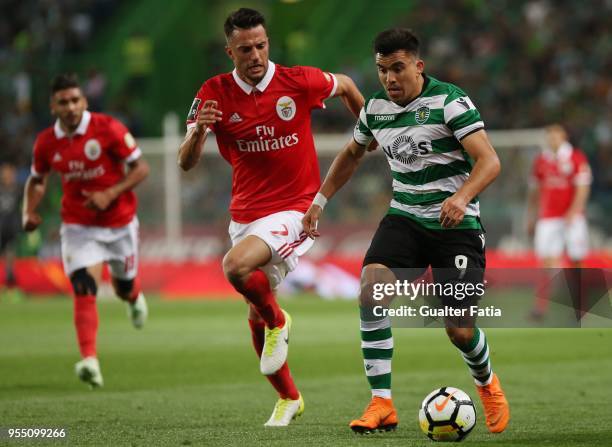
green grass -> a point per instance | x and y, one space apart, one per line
191 378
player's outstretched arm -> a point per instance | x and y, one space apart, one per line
341 170
190 150
349 94
34 192
486 168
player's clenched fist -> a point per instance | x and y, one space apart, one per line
209 114
98 200
311 220
453 210
30 221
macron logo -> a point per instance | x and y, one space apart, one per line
384 117
235 118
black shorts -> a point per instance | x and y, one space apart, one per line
408 249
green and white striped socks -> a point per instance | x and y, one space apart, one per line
377 348
476 356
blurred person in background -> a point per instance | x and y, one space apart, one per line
261 116
90 151
10 196
559 189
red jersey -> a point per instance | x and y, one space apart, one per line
265 135
557 176
91 159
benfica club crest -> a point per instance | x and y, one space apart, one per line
285 108
421 115
92 149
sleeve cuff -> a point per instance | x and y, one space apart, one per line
334 87
34 172
192 125
135 155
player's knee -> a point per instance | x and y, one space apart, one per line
369 289
123 287
234 268
460 337
371 294
83 283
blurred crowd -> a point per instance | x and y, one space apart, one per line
34 36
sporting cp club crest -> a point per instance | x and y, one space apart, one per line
421 115
285 108
93 150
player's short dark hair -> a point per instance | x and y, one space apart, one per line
244 18
63 81
396 39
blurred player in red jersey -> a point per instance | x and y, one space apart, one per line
260 114
559 190
99 223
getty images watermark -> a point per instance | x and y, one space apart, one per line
462 293
497 297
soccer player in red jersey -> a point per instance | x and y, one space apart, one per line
99 223
559 190
260 114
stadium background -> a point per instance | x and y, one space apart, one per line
526 64
190 377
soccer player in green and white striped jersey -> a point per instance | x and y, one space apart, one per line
440 160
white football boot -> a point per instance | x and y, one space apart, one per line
138 311
285 411
88 370
276 347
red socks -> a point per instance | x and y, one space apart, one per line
257 291
135 290
86 323
280 380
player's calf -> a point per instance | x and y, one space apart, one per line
85 311
254 285
129 291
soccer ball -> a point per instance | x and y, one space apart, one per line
447 414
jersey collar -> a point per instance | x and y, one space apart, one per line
262 85
563 153
81 130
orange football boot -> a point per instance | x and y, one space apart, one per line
379 415
496 408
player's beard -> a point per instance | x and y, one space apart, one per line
256 78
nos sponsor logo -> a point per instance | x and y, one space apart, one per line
406 150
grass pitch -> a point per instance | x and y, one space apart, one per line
191 378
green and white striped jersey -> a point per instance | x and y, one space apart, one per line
422 143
